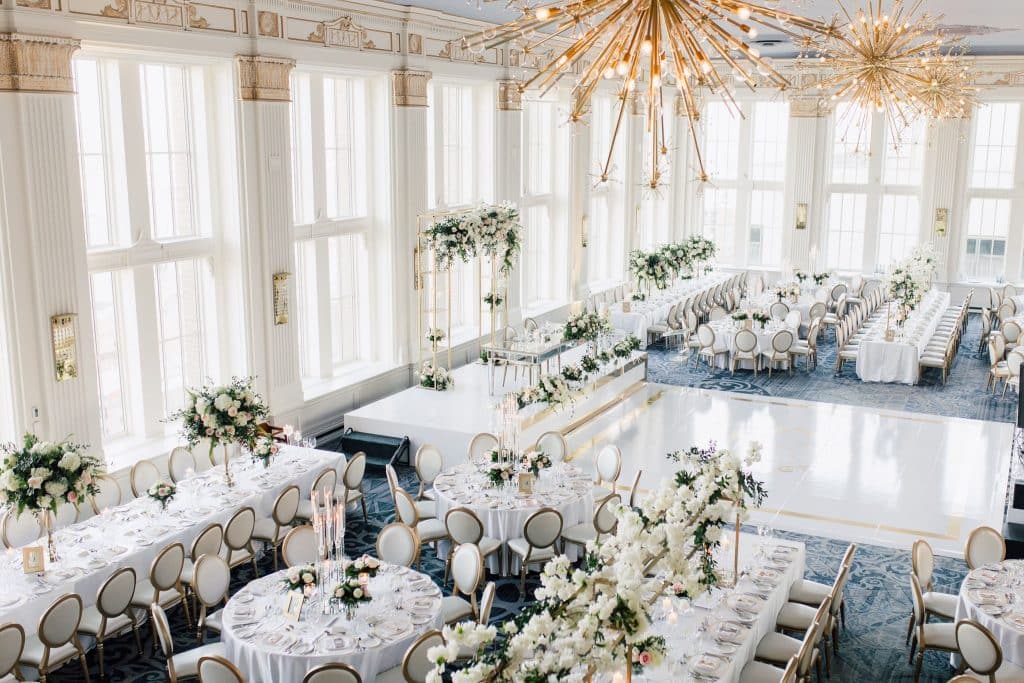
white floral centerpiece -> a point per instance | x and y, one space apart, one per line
350 593
264 449
677 257
162 492
489 230
821 278
585 326
224 414
700 251
435 335
304 579
40 476
535 461
590 621
363 565
499 473
911 279
650 268
437 378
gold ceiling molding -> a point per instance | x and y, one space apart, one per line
409 88
33 63
510 97
264 79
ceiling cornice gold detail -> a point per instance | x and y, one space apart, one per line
409 88
33 63
264 79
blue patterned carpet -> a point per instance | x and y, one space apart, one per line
964 395
871 649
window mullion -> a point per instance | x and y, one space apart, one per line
316 117
135 152
325 362
150 357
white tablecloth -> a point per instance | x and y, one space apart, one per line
505 519
268 648
898 361
644 314
803 304
726 330
992 596
681 631
132 534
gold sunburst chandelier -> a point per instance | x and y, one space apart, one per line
895 62
644 45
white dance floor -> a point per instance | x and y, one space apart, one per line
845 472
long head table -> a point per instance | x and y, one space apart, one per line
132 534
899 360
717 635
644 314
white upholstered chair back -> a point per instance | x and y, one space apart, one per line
300 546
12 642
179 463
165 572
211 579
463 526
467 568
60 621
19 530
554 445
416 665
480 444
543 528
144 474
609 463
978 647
984 545
214 669
116 593
335 672
398 544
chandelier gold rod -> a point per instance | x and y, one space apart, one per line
633 50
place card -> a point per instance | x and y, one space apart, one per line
292 605
33 559
526 480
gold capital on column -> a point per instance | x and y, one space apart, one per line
510 96
808 107
264 79
409 88
32 63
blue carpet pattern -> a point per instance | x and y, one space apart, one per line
871 649
964 394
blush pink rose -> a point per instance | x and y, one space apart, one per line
645 658
72 497
35 482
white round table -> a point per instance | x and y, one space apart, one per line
993 596
267 646
504 516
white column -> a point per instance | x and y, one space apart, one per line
265 145
801 179
45 234
942 161
579 208
409 161
508 156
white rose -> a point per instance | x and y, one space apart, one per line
70 461
357 593
202 405
222 402
40 473
44 501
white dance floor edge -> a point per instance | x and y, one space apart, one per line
845 472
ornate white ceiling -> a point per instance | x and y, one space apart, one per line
993 27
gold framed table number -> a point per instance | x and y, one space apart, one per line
62 337
525 484
291 606
281 298
33 559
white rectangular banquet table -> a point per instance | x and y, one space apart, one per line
898 360
682 632
644 314
726 330
132 534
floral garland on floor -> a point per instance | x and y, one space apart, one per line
911 279
562 389
587 620
491 230
40 476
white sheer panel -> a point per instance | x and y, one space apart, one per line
988 225
898 229
719 219
457 145
302 149
904 156
349 300
850 151
108 311
995 145
771 131
722 141
765 246
345 146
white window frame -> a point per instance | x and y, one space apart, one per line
137 260
1012 265
875 188
321 374
744 185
